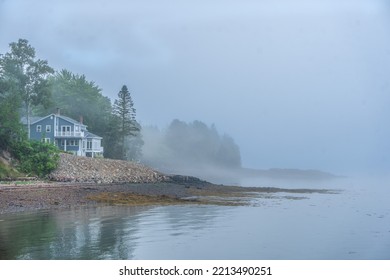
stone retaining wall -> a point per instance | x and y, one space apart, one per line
98 170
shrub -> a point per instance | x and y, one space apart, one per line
36 157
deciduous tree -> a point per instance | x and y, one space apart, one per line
27 75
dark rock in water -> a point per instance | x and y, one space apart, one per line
187 180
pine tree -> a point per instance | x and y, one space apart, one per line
127 126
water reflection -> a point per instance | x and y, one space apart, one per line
352 224
94 233
20 232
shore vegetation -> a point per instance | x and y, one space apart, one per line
30 87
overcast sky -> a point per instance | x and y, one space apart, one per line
297 84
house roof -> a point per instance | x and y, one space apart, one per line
37 119
70 120
91 135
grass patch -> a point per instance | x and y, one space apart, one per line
8 172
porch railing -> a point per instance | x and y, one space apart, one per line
68 133
95 150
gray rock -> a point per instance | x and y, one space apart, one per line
102 171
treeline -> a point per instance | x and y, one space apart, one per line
189 146
30 87
83 100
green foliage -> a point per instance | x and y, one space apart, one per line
23 80
36 157
27 81
126 124
124 109
112 147
10 128
77 97
25 76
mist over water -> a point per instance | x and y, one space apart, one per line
350 223
294 85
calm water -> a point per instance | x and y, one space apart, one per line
354 224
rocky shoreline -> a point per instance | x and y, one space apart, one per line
79 182
103 171
56 195
39 196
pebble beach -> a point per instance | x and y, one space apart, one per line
81 181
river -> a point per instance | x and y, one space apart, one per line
351 224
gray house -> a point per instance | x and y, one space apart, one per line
67 134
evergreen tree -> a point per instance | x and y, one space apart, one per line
124 109
194 145
111 141
27 75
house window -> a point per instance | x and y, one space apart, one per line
72 143
95 144
76 128
39 128
48 128
46 140
89 145
65 130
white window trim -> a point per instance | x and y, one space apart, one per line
48 128
39 128
64 130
